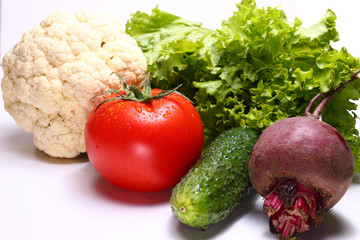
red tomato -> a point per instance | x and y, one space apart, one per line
144 147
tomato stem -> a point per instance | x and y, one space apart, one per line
133 93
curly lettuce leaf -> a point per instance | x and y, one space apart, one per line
256 69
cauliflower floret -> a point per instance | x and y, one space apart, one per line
51 74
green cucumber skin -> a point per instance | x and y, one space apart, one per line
218 182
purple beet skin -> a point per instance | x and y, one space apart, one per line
302 167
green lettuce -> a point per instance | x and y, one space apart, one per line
256 69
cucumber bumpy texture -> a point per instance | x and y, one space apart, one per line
218 182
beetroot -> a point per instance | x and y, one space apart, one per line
302 167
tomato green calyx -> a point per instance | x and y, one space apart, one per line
133 93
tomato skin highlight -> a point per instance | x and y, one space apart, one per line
147 146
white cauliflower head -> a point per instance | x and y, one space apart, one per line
50 75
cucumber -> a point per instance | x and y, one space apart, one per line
218 182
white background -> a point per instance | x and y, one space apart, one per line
45 198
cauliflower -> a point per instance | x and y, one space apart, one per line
50 75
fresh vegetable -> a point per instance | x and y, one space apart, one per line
302 167
218 182
256 69
50 75
144 140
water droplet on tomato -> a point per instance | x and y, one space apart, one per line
173 106
168 112
165 116
138 109
148 109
